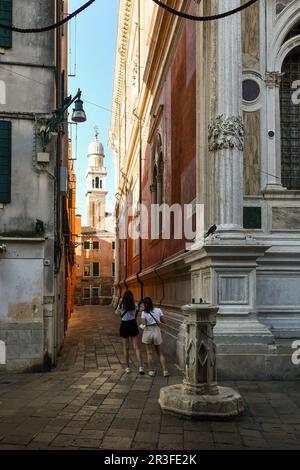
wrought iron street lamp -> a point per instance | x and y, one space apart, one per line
57 119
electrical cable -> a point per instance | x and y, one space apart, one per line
203 18
111 112
50 27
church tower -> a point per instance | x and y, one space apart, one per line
96 184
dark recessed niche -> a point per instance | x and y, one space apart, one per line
251 90
252 218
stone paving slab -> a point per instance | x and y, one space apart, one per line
88 402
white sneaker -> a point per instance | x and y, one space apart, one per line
166 373
141 370
151 373
127 370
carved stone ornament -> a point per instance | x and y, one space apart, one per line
273 79
226 133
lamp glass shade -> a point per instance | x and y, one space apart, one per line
78 112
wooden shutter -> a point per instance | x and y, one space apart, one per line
5 161
5 18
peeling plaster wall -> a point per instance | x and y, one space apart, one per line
27 290
21 306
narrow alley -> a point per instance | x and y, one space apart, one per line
88 402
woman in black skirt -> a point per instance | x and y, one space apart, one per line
127 309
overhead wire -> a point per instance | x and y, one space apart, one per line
49 27
187 16
132 118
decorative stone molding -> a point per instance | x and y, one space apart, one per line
226 133
281 5
273 79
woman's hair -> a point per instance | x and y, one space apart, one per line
128 301
148 304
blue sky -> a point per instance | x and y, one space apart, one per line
96 37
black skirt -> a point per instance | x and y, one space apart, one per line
128 329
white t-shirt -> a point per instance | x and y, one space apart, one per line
128 316
157 314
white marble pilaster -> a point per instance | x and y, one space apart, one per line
273 81
226 126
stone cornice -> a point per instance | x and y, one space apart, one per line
120 60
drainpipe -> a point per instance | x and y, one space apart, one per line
162 285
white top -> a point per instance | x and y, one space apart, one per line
157 314
128 316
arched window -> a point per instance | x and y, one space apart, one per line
100 184
290 122
157 186
97 182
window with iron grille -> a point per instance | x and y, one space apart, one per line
86 293
290 123
95 292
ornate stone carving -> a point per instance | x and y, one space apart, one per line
226 133
273 79
199 395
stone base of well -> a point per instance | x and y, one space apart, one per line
175 400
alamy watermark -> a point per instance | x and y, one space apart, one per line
296 94
296 353
2 353
2 92
162 221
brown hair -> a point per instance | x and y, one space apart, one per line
128 301
148 304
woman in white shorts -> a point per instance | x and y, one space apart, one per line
152 338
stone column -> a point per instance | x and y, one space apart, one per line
273 81
199 396
226 126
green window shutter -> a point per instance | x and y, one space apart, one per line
5 18
5 161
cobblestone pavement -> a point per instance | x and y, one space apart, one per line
88 402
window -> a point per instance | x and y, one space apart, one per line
86 245
96 245
100 184
87 270
97 182
96 270
157 181
6 19
113 269
290 123
95 292
5 161
251 90
252 218
113 245
86 293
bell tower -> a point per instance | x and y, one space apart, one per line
96 184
